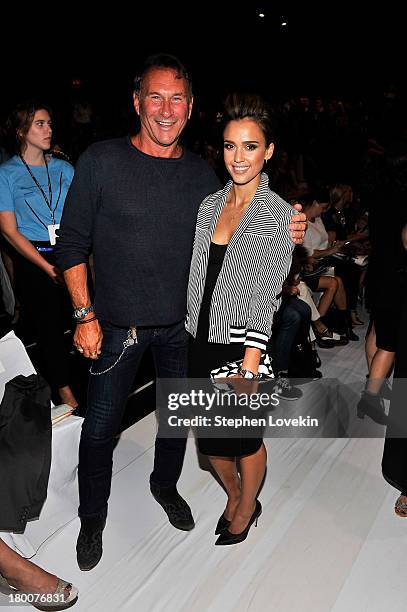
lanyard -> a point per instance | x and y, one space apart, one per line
48 201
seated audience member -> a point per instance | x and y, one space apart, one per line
290 346
317 278
319 331
339 221
22 576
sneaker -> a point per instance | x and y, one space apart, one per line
89 545
283 388
178 512
329 339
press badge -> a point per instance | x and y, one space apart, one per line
52 232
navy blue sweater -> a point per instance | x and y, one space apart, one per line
137 214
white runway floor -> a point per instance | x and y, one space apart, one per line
328 539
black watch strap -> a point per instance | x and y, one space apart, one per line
248 374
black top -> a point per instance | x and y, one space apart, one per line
387 261
215 261
137 214
336 221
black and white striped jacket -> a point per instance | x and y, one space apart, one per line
256 263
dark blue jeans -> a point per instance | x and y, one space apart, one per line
291 324
107 397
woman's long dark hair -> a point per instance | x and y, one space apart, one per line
20 121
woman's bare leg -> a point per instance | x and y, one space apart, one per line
329 286
24 575
252 470
370 346
380 367
226 469
340 295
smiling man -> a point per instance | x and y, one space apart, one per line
133 203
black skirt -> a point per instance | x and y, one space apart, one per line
204 356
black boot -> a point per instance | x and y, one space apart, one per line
371 405
345 326
89 545
351 334
178 512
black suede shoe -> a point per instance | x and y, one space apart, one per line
226 537
386 390
372 406
223 523
178 512
352 336
89 545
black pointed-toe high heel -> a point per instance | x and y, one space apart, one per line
226 538
223 524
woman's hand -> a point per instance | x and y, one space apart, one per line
291 290
242 386
336 247
56 275
310 264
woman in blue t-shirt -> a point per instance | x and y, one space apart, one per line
33 187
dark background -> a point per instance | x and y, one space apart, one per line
82 52
340 49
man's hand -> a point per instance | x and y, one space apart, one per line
88 339
298 225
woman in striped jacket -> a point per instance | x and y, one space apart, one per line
241 256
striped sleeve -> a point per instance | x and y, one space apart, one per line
256 339
265 301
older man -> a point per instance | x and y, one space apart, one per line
133 203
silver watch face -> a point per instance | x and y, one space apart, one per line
248 374
80 313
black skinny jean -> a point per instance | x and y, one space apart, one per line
291 325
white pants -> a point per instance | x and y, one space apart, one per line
306 296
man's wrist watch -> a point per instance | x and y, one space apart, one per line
248 374
80 313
